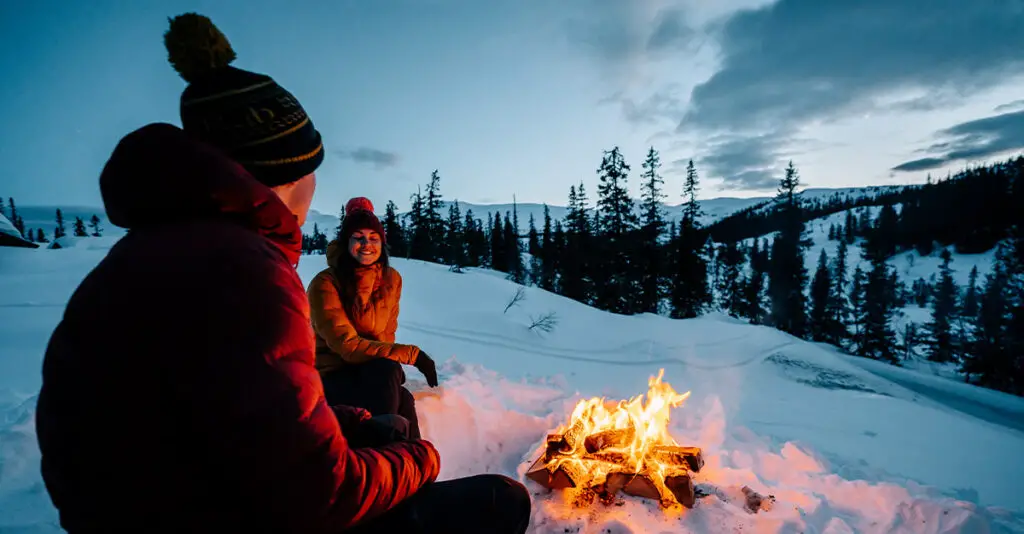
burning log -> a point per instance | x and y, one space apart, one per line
616 438
691 457
681 486
567 474
635 484
602 451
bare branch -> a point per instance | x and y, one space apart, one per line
545 323
519 296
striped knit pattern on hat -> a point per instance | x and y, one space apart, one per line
247 115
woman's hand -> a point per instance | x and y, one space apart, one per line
425 364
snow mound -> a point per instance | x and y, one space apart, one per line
482 422
7 228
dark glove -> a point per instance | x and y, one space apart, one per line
380 431
425 365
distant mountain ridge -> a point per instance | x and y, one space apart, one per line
43 216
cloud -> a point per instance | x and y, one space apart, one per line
972 140
745 162
658 107
380 159
1010 106
671 31
919 164
800 60
790 64
625 37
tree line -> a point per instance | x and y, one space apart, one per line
624 256
38 235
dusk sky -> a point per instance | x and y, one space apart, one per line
520 97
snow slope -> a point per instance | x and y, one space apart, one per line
909 266
7 228
843 448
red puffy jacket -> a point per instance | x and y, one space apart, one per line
179 390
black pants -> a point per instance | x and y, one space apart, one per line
478 504
481 504
375 386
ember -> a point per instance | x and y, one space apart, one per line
609 447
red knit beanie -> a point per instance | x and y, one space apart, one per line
359 216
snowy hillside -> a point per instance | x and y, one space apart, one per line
909 266
7 228
842 446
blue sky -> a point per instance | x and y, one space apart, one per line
520 97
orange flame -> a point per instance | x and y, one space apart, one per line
634 427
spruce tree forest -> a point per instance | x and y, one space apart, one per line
625 256
751 264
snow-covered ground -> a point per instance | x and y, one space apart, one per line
843 445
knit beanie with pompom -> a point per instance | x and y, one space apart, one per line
251 118
359 216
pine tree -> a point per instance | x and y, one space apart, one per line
476 241
94 223
15 218
650 258
575 275
341 221
455 238
692 210
513 251
420 245
397 245
548 254
988 361
79 228
821 294
850 226
857 309
499 250
730 287
41 236
534 249
941 341
616 224
557 253
753 286
787 274
3 209
838 310
435 227
690 294
970 299
879 338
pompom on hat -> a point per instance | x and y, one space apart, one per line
359 216
247 115
357 204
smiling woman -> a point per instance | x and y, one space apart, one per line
354 307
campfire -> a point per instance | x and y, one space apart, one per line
608 447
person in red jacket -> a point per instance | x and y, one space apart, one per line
179 388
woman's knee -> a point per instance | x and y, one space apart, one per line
384 370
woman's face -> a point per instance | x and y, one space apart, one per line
364 246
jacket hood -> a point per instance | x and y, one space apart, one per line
159 175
